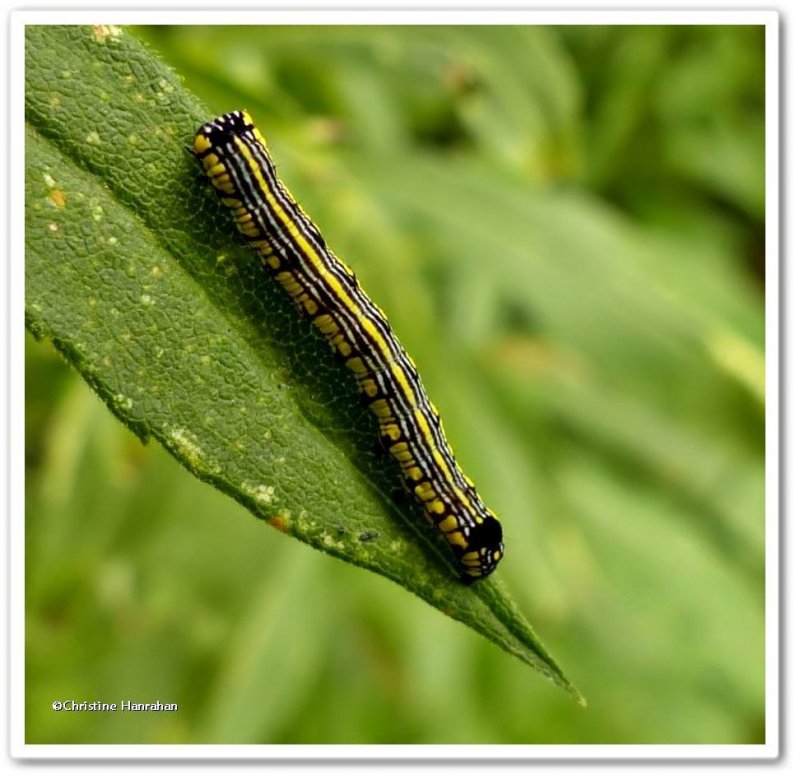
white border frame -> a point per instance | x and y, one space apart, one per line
18 747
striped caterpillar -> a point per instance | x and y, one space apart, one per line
234 156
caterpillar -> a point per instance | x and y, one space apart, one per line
234 156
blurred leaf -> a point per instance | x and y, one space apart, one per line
263 683
135 275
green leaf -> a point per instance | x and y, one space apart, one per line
139 279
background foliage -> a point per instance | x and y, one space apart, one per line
565 226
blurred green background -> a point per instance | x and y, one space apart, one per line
566 228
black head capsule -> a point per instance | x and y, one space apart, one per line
484 549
